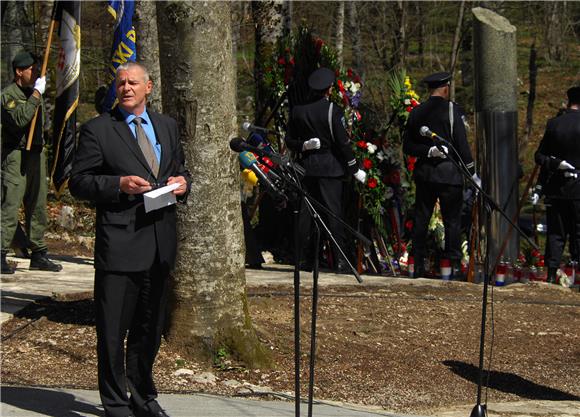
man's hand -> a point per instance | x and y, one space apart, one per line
476 180
311 144
534 198
360 176
565 165
182 184
133 184
435 152
40 85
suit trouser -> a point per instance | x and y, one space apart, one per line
24 180
563 218
451 201
132 305
327 191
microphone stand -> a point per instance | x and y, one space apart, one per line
480 410
288 173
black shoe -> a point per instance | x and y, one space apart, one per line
552 275
419 273
40 262
6 267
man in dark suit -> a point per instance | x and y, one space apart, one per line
317 134
436 177
120 156
559 157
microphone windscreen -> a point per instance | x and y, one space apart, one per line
237 144
247 159
424 131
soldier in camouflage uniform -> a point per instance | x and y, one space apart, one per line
24 172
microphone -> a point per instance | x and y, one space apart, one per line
249 161
425 131
240 145
248 127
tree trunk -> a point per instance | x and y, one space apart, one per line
269 22
339 32
556 29
209 309
421 37
354 29
400 37
16 35
148 48
533 73
287 13
455 48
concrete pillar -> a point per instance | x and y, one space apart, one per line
496 120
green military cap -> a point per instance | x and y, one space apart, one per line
23 60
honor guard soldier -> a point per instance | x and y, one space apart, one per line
436 177
559 157
24 171
317 133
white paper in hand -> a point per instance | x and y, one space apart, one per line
159 198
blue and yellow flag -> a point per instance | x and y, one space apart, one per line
68 67
124 48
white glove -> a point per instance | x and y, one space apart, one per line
476 180
565 165
360 176
40 85
434 152
534 198
311 144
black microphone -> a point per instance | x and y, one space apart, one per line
248 161
425 131
248 127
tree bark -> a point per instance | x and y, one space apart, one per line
455 48
354 29
269 22
533 73
339 32
16 34
287 13
148 48
209 310
421 36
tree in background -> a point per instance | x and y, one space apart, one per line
209 311
145 23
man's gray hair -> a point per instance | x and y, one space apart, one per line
132 64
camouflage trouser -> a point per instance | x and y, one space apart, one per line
24 181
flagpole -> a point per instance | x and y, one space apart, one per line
42 73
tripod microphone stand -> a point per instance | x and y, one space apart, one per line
480 409
302 200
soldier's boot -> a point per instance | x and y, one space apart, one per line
552 275
40 262
6 267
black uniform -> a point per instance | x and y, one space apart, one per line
437 178
325 167
561 142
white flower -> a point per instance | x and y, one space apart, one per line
380 156
354 87
389 192
407 102
371 148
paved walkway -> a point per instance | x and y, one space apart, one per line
77 276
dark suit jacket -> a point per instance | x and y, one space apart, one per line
434 113
127 238
335 156
561 142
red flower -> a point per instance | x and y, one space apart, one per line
414 102
535 253
357 79
349 73
409 224
292 62
281 61
411 163
340 85
367 163
337 72
395 178
372 183
358 115
540 263
319 43
409 108
361 144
